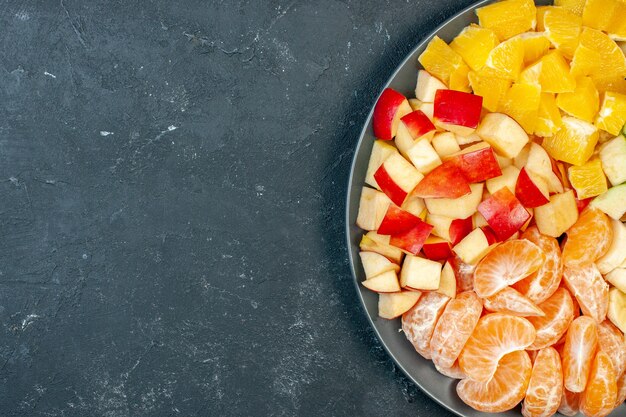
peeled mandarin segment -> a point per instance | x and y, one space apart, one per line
598 399
474 44
502 392
419 322
583 103
508 18
441 61
506 60
621 389
578 351
454 372
494 336
611 341
570 403
535 46
540 285
521 102
612 114
574 6
548 116
454 327
559 312
563 29
574 142
492 89
588 239
505 265
590 289
545 388
588 180
512 302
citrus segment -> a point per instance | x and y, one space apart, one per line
612 114
583 102
621 389
419 322
570 403
491 88
521 102
578 351
574 142
563 29
508 18
453 372
606 15
506 59
574 6
588 180
600 57
598 399
545 387
611 341
590 289
548 116
512 302
536 44
588 239
559 313
442 62
473 44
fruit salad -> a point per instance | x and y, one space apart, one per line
494 208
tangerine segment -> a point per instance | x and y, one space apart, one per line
453 372
454 327
502 392
512 302
621 390
540 285
505 265
570 403
580 346
419 322
559 313
598 399
611 341
545 388
588 239
495 335
590 289
464 274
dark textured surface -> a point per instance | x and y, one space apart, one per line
172 180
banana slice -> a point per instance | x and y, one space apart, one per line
617 251
617 308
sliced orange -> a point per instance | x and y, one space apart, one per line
621 389
574 142
551 72
606 15
574 6
588 180
612 115
578 352
541 11
590 289
512 302
583 102
419 322
540 285
599 397
601 58
505 265
454 327
536 44
474 44
502 392
548 117
508 18
442 62
507 59
611 341
588 239
570 403
521 102
494 336
563 29
559 313
492 89
545 387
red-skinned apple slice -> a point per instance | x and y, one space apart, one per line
413 239
376 264
396 177
394 304
540 163
445 181
452 230
397 221
373 242
419 125
390 108
531 190
504 213
372 208
503 133
381 150
427 86
490 235
437 249
478 162
457 208
385 282
457 112
582 204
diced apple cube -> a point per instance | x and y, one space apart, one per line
457 111
508 179
452 230
554 218
467 140
390 108
427 86
428 109
376 264
372 209
447 283
420 274
503 161
531 189
503 133
539 162
613 202
380 152
613 157
473 247
397 178
445 144
504 213
424 156
414 205
436 248
616 254
479 221
374 242
385 282
394 304
477 162
457 208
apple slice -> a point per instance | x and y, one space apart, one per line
478 162
467 140
420 274
380 151
457 112
491 235
531 190
452 230
412 128
504 213
617 251
428 109
503 161
554 218
508 179
447 282
503 133
540 163
394 304
385 282
390 108
437 249
397 178
473 247
372 209
445 144
415 104
423 156
397 221
457 208
445 181
427 86
376 264
373 242
414 205
413 239
478 220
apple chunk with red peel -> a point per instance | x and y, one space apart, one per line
554 218
531 190
503 133
390 108
372 209
415 205
373 242
507 179
385 282
457 208
413 127
437 249
423 156
427 86
396 177
445 144
445 181
540 163
380 152
394 304
376 264
413 239
504 213
473 247
457 112
477 163
420 274
452 230
397 221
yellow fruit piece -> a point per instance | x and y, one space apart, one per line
574 6
442 62
598 14
574 142
551 72
617 26
583 103
614 83
563 29
521 102
549 117
474 44
601 58
588 180
536 44
541 11
612 115
508 18
507 59
491 89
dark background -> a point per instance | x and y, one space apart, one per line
172 181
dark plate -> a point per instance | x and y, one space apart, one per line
418 369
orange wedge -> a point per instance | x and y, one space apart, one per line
419 322
536 44
563 28
521 102
574 142
606 15
611 341
474 44
612 114
590 289
583 102
588 239
442 62
588 180
508 18
512 302
492 89
548 116
574 6
506 59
